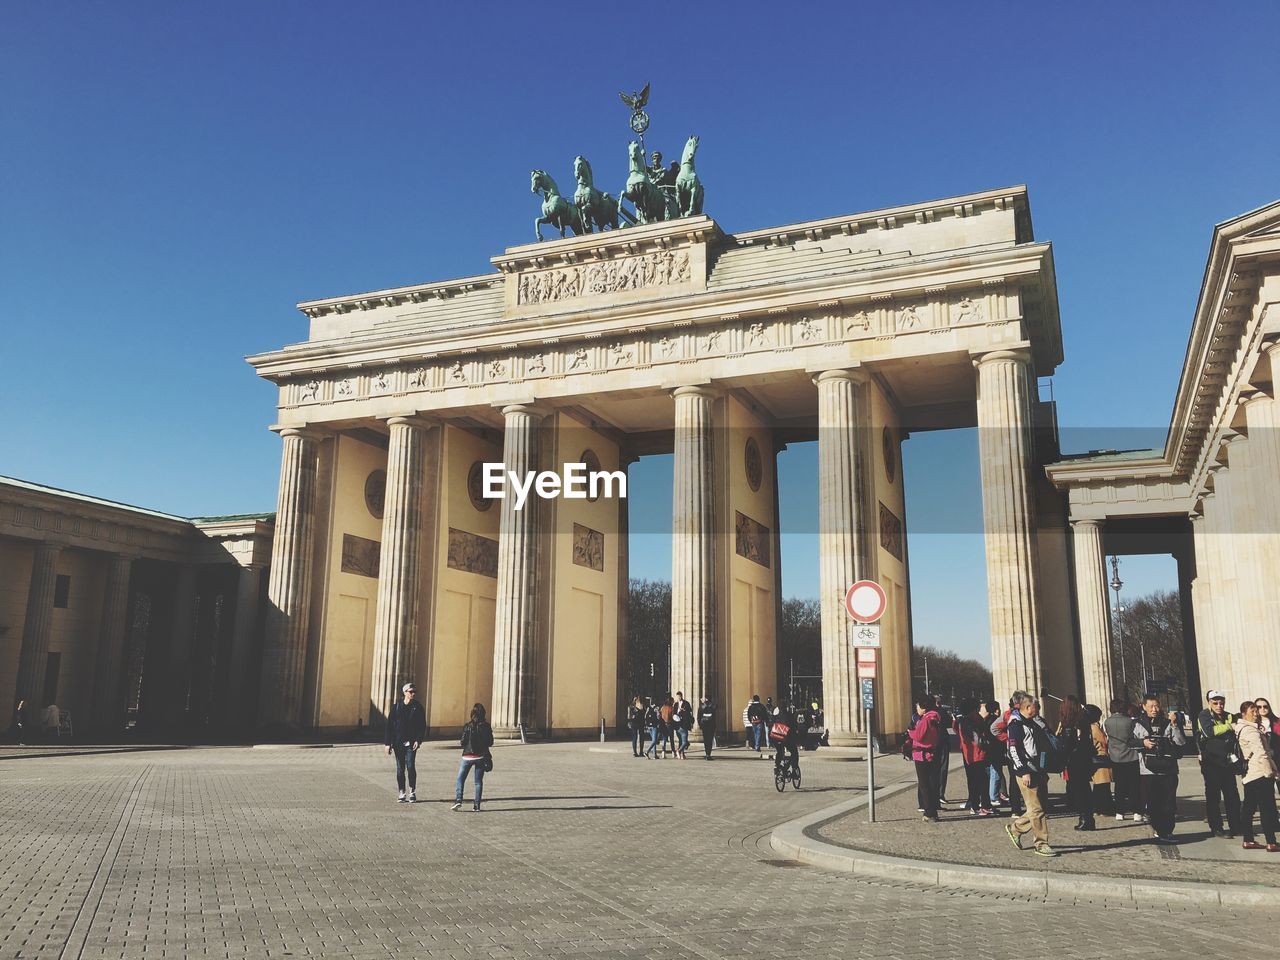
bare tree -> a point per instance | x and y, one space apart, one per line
1150 630
951 677
649 638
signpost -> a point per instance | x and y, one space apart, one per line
865 602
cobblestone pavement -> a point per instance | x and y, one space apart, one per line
237 853
1120 849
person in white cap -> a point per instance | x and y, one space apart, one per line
406 728
1219 757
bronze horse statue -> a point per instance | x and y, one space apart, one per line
598 210
652 203
688 186
556 210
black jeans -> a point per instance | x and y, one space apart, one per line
405 757
786 753
1015 793
1080 789
979 784
1128 792
927 787
1161 793
1259 795
708 737
1220 782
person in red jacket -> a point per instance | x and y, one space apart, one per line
973 734
925 734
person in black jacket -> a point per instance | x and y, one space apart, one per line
477 738
635 723
406 726
707 724
1219 756
758 720
787 749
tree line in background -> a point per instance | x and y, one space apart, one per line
1149 630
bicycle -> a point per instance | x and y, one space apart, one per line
786 773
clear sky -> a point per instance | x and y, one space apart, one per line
176 176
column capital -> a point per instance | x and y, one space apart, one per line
1019 353
856 374
1253 398
1086 523
697 390
410 420
526 407
304 431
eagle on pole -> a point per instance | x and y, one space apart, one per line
636 101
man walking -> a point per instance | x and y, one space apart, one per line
1028 739
682 718
1218 757
406 726
757 718
1161 737
707 724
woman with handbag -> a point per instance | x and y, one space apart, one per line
1259 778
1101 761
477 738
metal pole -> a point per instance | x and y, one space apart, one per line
926 675
1142 650
871 771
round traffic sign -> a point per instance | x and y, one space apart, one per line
865 601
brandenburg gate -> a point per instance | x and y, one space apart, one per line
669 336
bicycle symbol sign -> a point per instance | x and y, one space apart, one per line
866 635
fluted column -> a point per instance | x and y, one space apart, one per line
516 616
1216 670
1202 600
37 626
1092 612
1262 417
395 632
1004 444
108 677
284 655
693 546
1234 543
843 525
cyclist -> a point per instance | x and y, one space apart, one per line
787 744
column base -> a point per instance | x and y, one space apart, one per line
846 738
513 733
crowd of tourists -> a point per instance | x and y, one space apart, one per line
1123 765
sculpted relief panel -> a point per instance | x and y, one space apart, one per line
660 269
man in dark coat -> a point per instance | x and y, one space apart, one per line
406 727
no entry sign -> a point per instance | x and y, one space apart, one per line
865 601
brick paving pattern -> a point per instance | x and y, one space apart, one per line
251 853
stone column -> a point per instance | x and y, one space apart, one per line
36 627
1202 599
516 616
1262 417
284 655
182 626
1092 612
1234 549
843 528
693 547
395 632
238 705
1216 668
108 677
1004 444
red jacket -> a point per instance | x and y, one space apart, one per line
970 745
925 735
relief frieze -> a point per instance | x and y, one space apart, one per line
750 539
472 553
588 547
658 269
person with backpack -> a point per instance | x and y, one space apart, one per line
1033 754
1160 737
1219 760
1253 735
924 734
405 730
682 720
1075 733
652 723
635 723
974 735
999 729
786 739
757 718
477 739
707 724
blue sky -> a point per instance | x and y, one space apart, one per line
176 176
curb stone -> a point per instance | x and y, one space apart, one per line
791 840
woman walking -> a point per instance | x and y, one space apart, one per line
1259 778
477 738
1076 735
653 723
925 734
635 723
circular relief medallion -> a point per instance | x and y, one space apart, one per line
593 465
751 462
375 493
475 487
890 454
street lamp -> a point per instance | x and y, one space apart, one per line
1116 584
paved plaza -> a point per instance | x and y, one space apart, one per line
292 852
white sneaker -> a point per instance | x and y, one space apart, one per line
1139 818
457 806
413 796
401 798
1119 816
